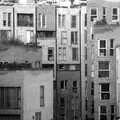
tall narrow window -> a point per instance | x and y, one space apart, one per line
42 20
42 96
75 86
92 88
9 19
115 14
73 21
86 70
103 113
93 14
105 91
50 54
74 37
63 84
64 37
104 13
111 47
62 102
37 115
112 112
102 47
74 54
61 20
103 69
4 18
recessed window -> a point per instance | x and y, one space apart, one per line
10 97
103 69
105 91
4 18
102 47
63 84
25 20
104 13
93 14
61 20
42 102
75 86
111 47
62 53
74 37
42 20
64 37
103 113
62 102
115 14
73 21
50 54
37 115
75 54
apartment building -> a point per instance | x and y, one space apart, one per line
70 62
26 95
24 23
46 33
26 91
6 20
103 38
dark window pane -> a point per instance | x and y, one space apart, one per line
102 74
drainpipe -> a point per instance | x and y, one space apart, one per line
13 23
80 66
36 23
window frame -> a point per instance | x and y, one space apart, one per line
74 40
41 20
76 58
73 23
93 15
52 55
112 15
99 53
104 92
103 70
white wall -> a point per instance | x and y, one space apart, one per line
32 82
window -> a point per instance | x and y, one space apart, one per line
92 88
4 18
42 96
103 69
45 34
10 97
62 102
63 84
115 14
74 37
85 36
85 69
42 20
61 20
73 21
112 112
74 54
62 53
93 14
102 47
85 20
64 37
9 19
103 113
25 20
86 104
37 115
75 86
105 91
111 47
50 53
104 13
92 107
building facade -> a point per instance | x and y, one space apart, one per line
102 40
